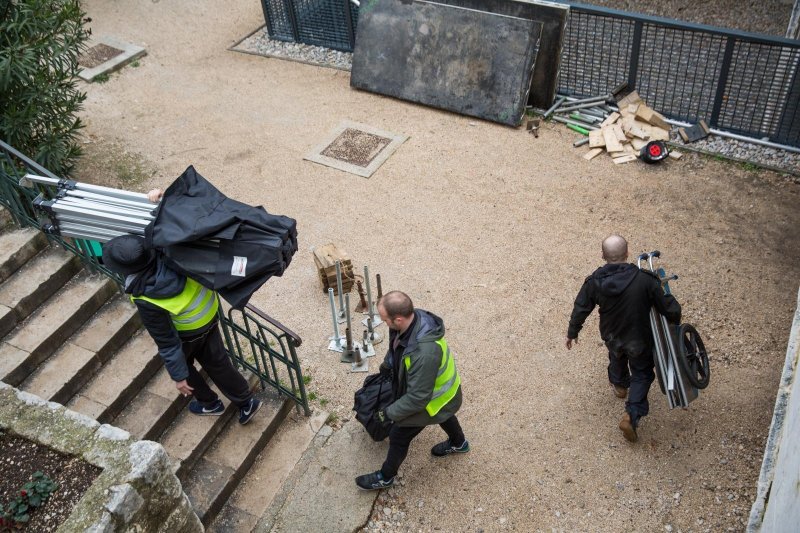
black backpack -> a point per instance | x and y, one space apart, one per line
376 394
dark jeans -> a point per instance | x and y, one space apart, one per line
635 373
400 438
208 350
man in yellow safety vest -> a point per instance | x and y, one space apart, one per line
181 316
425 384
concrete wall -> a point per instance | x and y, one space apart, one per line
136 491
777 505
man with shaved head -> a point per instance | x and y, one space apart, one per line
425 385
625 295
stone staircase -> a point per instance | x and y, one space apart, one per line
71 337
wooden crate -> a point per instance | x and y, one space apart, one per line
325 258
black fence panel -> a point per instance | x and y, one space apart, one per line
735 81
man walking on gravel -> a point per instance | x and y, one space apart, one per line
425 384
181 317
625 295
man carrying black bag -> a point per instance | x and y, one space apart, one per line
426 387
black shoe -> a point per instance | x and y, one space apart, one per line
445 448
373 481
247 412
214 409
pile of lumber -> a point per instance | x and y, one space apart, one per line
619 128
325 258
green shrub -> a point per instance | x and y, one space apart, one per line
39 98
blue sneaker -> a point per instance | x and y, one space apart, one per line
215 408
445 448
247 412
373 481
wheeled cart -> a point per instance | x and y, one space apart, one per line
681 360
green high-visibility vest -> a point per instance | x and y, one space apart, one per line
447 380
192 309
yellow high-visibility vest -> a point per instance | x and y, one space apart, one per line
447 380
192 309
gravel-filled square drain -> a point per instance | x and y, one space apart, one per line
356 148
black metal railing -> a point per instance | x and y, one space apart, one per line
253 339
738 82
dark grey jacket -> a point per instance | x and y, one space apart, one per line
160 281
413 389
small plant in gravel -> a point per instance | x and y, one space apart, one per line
32 495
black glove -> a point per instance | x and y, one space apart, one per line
381 418
386 371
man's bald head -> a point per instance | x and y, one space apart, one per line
397 304
615 249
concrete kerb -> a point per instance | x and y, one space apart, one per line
130 52
136 489
783 433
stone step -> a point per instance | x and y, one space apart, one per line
216 474
119 381
265 479
153 409
34 283
17 246
74 364
45 331
190 435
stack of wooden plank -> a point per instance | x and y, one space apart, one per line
325 258
624 132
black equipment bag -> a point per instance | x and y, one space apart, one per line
376 394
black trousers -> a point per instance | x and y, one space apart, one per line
208 350
636 373
400 439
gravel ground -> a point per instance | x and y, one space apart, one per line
493 230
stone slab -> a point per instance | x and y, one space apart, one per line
121 378
317 156
273 466
55 373
8 319
553 17
37 281
130 52
87 406
117 318
328 475
462 60
17 247
10 358
140 415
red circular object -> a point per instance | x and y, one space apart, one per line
655 150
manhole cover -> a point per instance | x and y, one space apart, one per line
356 148
97 55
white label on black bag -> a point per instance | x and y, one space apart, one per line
239 266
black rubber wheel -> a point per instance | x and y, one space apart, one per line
693 356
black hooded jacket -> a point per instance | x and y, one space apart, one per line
159 281
625 295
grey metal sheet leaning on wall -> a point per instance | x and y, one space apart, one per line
553 17
463 60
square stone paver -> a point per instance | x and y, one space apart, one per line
106 55
356 148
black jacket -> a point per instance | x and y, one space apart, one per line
625 295
160 281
